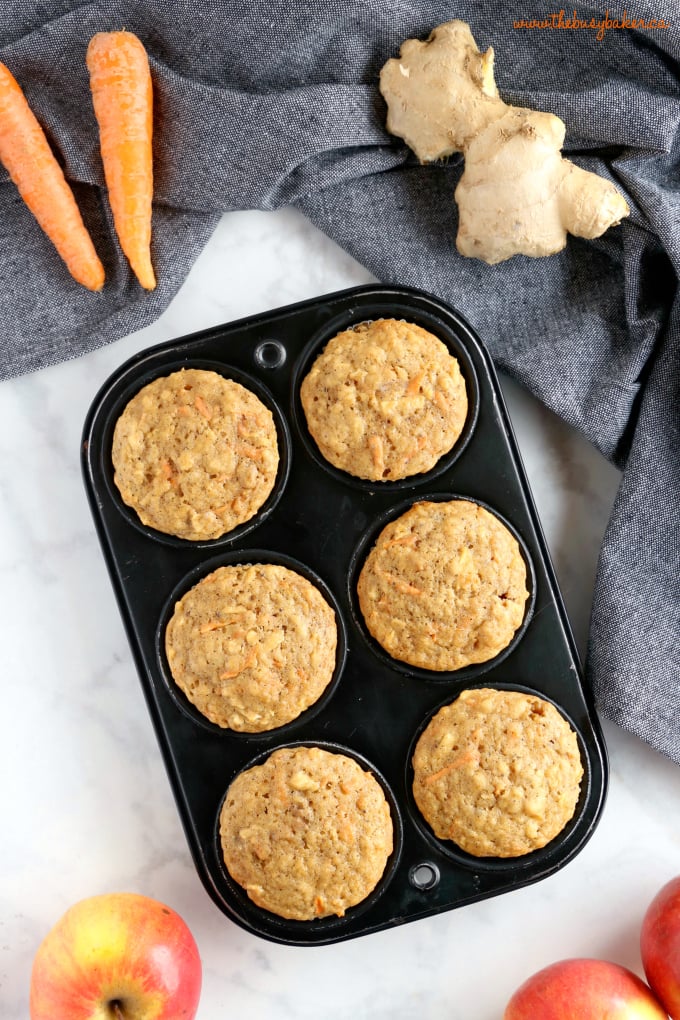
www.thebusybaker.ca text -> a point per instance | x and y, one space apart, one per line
560 20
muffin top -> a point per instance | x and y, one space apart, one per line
384 400
307 834
444 586
195 454
252 646
498 772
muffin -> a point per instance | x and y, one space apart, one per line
307 834
195 454
384 400
252 646
497 772
444 586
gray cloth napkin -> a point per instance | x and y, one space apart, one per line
265 104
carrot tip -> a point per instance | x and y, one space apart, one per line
147 279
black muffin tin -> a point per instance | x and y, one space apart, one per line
322 522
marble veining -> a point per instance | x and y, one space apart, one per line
87 805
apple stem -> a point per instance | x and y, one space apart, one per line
117 1011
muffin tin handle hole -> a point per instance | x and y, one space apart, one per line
424 876
270 354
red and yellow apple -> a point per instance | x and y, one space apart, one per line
119 956
583 989
660 946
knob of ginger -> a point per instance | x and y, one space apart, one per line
517 195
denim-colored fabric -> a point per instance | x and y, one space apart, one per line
265 104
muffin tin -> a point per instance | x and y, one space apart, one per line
322 522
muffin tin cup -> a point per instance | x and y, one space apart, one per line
362 551
156 369
326 929
560 847
234 558
321 521
346 320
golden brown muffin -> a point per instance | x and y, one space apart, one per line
252 646
307 834
195 454
497 772
444 586
384 400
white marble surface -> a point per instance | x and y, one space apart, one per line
87 807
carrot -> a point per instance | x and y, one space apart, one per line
26 155
120 81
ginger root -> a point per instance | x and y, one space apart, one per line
517 195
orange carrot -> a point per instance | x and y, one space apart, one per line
120 81
26 155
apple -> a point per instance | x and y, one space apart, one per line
119 956
583 989
660 946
